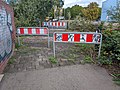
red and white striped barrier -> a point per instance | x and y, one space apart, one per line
58 25
33 31
81 38
78 37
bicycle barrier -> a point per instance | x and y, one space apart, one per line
33 31
55 25
77 37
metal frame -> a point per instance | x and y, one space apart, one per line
100 44
18 35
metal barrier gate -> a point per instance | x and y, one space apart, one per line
33 31
78 37
55 25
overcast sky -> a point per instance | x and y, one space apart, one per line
69 3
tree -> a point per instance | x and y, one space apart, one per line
67 12
30 12
76 10
92 11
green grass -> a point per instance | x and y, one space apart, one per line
53 60
88 59
117 81
26 50
116 78
71 60
11 61
17 46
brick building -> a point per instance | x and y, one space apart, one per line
7 33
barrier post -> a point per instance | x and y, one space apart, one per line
48 39
53 45
100 47
18 39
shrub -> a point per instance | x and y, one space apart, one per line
110 47
82 25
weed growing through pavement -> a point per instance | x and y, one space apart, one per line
11 61
88 59
53 60
116 78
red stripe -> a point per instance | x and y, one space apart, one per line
58 23
45 31
55 37
37 30
55 23
64 37
89 38
21 30
29 30
76 37
62 23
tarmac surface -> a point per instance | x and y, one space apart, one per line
75 77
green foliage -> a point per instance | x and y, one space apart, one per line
83 25
117 81
31 12
11 61
17 45
87 49
110 47
67 13
88 52
88 59
116 78
92 12
71 60
105 60
74 11
53 60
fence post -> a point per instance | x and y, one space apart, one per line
18 39
53 45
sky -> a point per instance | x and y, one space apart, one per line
69 3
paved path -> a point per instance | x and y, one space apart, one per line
76 77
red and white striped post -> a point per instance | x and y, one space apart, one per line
33 31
